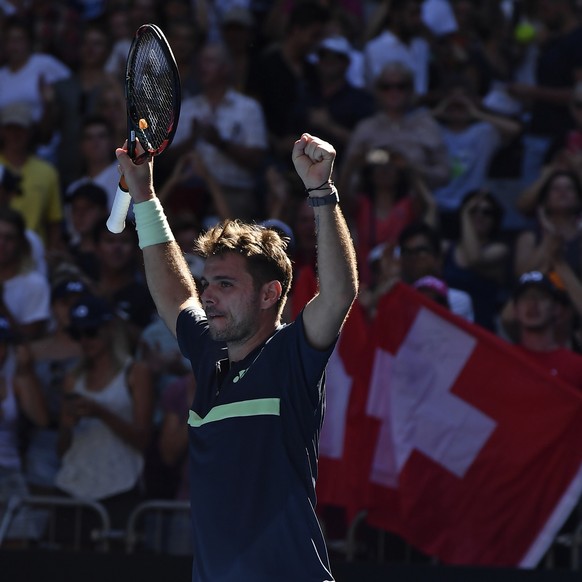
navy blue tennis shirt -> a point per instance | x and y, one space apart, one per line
253 438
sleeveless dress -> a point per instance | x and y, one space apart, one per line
99 464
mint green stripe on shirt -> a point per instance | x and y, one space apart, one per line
259 407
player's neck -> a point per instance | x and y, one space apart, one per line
239 351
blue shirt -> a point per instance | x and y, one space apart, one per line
254 432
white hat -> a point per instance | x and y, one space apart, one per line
336 44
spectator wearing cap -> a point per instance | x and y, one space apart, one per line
39 200
20 395
335 106
120 280
25 293
434 288
54 355
105 422
535 309
86 207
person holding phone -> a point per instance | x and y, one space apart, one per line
255 419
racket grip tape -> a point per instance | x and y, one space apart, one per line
118 214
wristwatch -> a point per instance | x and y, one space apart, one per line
332 198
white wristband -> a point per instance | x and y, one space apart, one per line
151 223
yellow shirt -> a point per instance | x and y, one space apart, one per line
40 201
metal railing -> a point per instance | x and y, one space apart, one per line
99 536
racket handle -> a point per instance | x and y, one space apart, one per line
118 214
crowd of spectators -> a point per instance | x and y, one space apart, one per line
458 127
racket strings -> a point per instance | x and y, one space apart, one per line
153 93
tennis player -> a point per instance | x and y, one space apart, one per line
255 421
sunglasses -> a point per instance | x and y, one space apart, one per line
86 332
386 86
482 210
415 251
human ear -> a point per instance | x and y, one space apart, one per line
271 293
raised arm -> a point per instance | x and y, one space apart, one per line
336 259
168 276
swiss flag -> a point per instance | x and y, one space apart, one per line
457 442
343 366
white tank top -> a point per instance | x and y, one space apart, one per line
99 463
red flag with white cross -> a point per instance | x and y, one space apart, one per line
457 442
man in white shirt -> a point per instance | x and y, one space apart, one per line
227 129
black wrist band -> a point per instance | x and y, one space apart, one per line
332 198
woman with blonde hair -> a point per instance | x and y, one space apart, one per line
106 417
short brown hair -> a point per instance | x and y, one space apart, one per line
264 249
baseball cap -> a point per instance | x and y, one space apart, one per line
336 44
69 287
90 311
91 192
534 279
16 114
434 284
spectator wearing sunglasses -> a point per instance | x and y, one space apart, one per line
476 261
105 420
401 127
419 254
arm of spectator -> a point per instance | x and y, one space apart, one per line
423 197
436 168
527 200
216 193
322 121
507 127
67 417
27 388
138 431
476 254
524 92
533 256
278 195
250 157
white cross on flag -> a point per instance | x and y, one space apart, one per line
453 439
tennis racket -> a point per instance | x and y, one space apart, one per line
152 97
